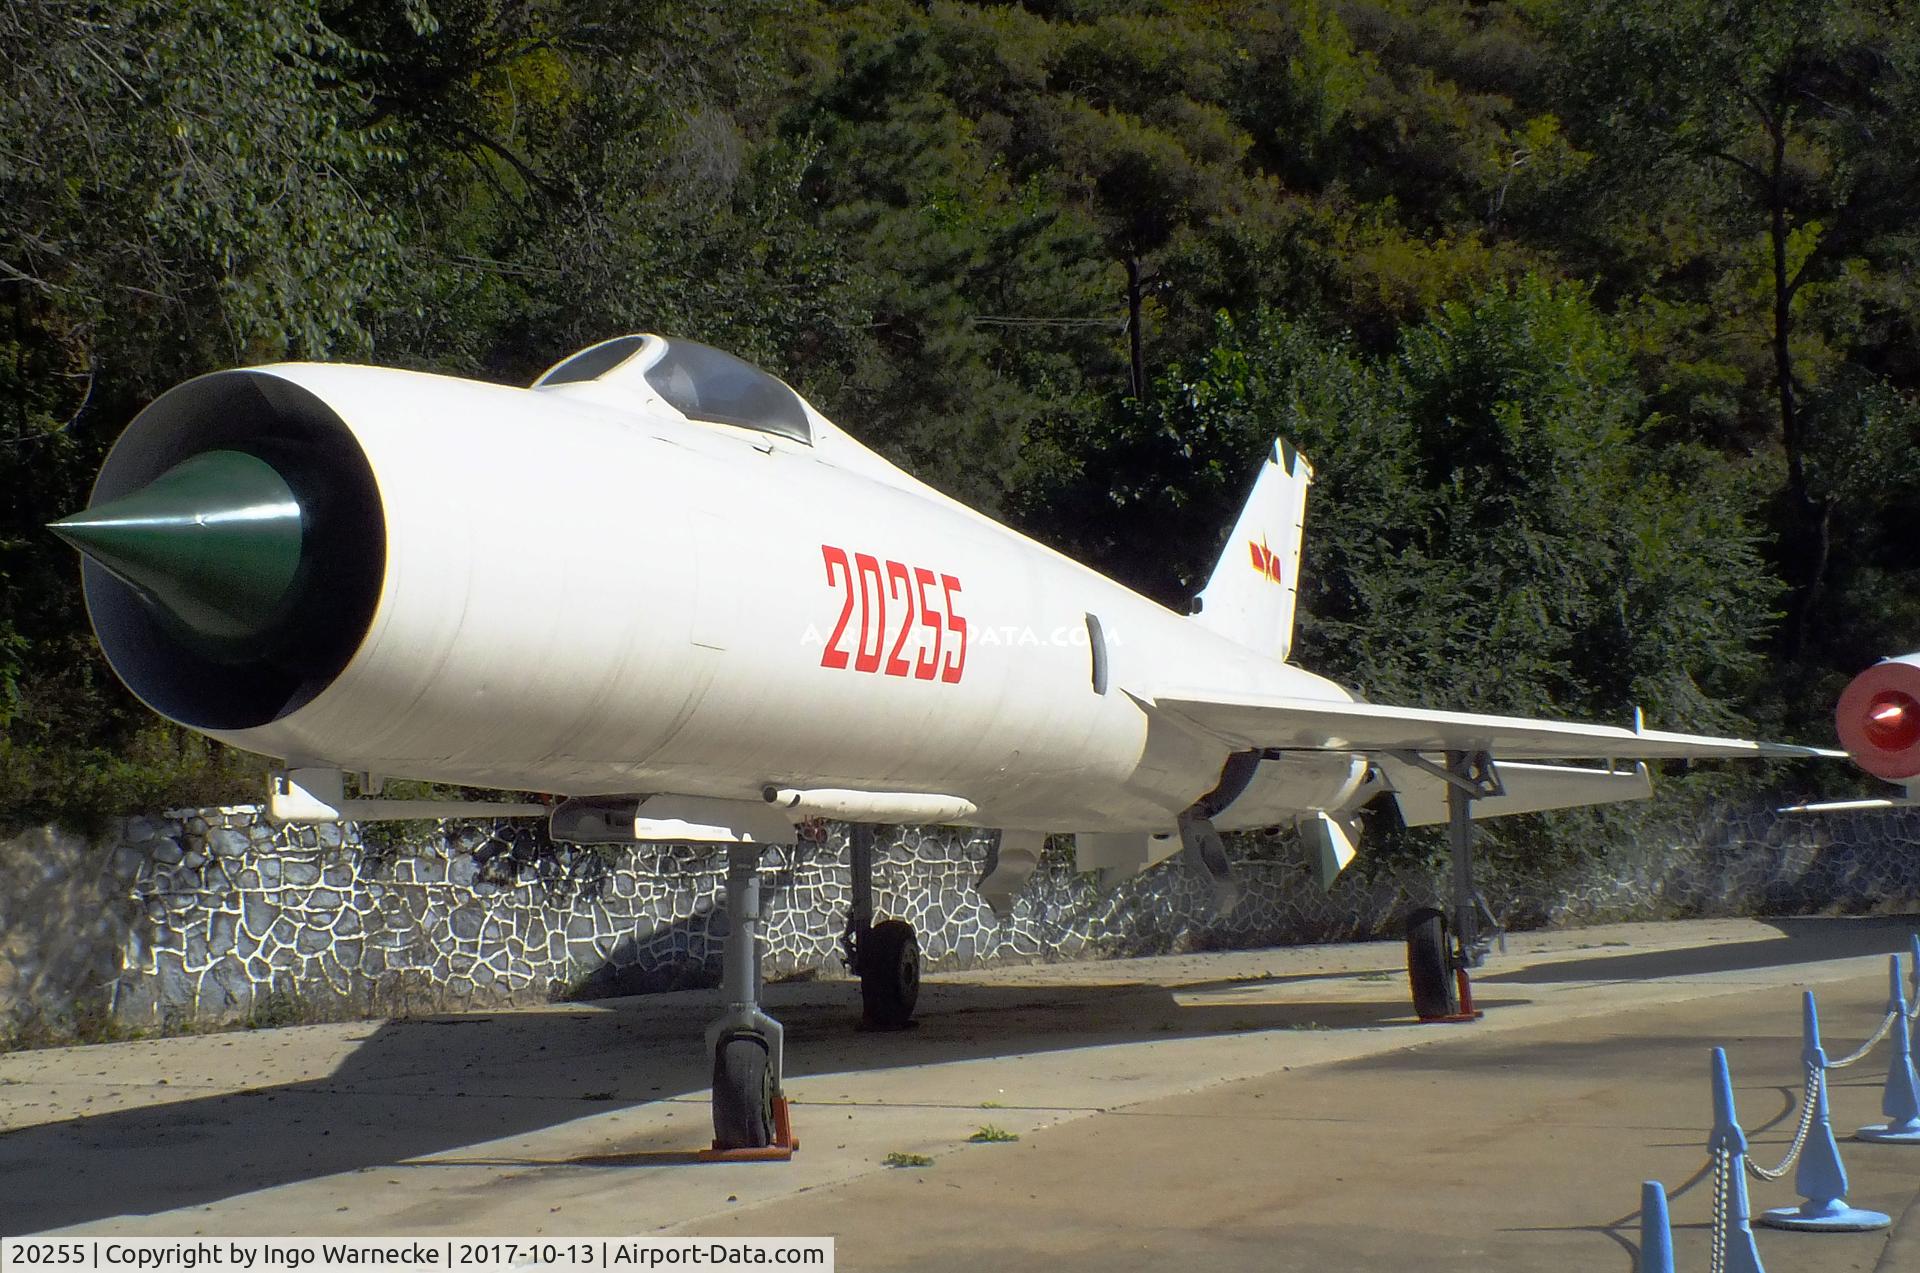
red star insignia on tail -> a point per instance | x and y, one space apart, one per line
1263 559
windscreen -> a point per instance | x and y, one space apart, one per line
702 383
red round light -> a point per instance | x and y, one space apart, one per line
1892 721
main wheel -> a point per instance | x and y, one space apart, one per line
1436 993
742 1092
889 975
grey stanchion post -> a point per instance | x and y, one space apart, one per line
1913 966
1732 1221
1656 1233
1900 1099
1821 1179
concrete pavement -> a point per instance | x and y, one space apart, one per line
1260 1109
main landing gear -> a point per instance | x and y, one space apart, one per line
1439 954
885 956
747 1046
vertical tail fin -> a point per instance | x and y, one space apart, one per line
1250 596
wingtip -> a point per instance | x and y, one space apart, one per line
1792 751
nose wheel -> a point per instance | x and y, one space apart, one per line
743 1092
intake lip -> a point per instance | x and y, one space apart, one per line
1878 718
234 550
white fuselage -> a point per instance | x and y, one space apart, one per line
587 593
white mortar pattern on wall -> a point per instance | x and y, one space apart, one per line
226 910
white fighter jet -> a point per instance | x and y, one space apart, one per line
661 586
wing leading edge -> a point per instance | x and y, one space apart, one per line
1308 724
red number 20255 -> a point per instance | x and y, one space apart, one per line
868 584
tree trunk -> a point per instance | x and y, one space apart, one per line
1782 335
1138 378
1810 521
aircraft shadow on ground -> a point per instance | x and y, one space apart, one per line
1801 939
424 1086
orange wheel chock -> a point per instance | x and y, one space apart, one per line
785 1144
1467 1011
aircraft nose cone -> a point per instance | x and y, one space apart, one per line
214 542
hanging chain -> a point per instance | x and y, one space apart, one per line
1807 1098
1859 1053
1724 1165
1722 1186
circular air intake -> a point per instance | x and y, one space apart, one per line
234 550
1879 719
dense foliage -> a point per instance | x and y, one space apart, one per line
1597 319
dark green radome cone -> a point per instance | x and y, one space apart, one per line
215 541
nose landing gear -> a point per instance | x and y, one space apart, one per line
750 1117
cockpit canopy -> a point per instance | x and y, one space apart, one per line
698 381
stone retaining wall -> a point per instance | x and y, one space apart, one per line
210 914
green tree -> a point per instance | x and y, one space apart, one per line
1772 143
996 241
1487 529
181 186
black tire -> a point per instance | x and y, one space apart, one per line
889 975
742 1092
1436 992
